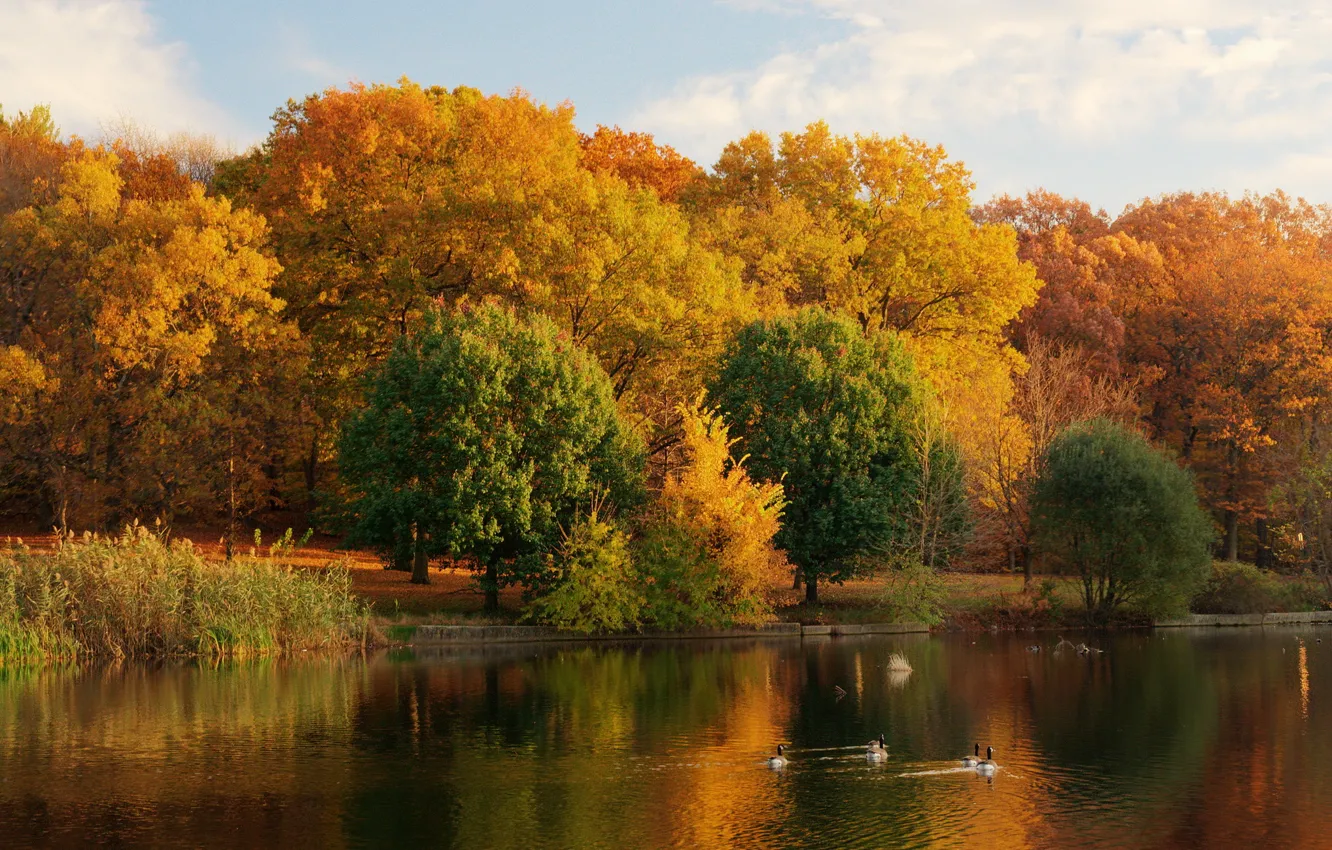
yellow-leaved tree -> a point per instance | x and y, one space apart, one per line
142 350
387 200
882 229
708 551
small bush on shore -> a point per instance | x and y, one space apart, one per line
913 593
1235 588
598 589
137 596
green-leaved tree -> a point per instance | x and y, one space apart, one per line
482 434
1121 515
826 410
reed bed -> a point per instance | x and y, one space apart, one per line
138 596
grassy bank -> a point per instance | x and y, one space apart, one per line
136 596
969 601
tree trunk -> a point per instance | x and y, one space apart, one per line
311 464
110 470
231 494
401 558
420 561
1232 536
1263 554
491 583
795 580
1026 567
811 590
62 512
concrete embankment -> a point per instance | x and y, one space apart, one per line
421 635
1197 620
429 635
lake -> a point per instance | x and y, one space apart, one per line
1197 738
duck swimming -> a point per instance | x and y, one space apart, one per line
987 766
778 761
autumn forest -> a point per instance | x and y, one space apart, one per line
191 336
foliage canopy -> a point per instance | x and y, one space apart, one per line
482 434
825 410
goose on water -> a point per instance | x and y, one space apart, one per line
988 765
973 760
779 760
877 750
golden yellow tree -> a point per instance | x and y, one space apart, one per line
386 200
727 520
123 322
881 229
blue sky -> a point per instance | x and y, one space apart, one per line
1108 102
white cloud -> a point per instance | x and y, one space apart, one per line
299 55
1207 82
96 62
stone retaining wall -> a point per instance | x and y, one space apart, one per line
1247 620
529 634
424 635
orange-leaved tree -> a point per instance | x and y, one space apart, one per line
1067 244
638 160
1229 335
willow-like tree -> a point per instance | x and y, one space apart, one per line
482 435
825 410
1123 517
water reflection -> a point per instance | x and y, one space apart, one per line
1212 738
1304 681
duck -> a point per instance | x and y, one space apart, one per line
988 765
877 750
973 760
778 761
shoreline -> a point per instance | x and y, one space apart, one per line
450 635
1296 618
426 634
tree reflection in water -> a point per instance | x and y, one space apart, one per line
1172 739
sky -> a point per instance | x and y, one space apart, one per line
1108 102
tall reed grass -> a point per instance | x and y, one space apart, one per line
136 596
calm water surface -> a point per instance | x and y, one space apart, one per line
1210 738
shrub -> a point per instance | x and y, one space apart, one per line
708 549
914 593
1236 588
137 597
680 582
1123 517
596 587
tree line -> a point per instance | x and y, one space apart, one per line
187 335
